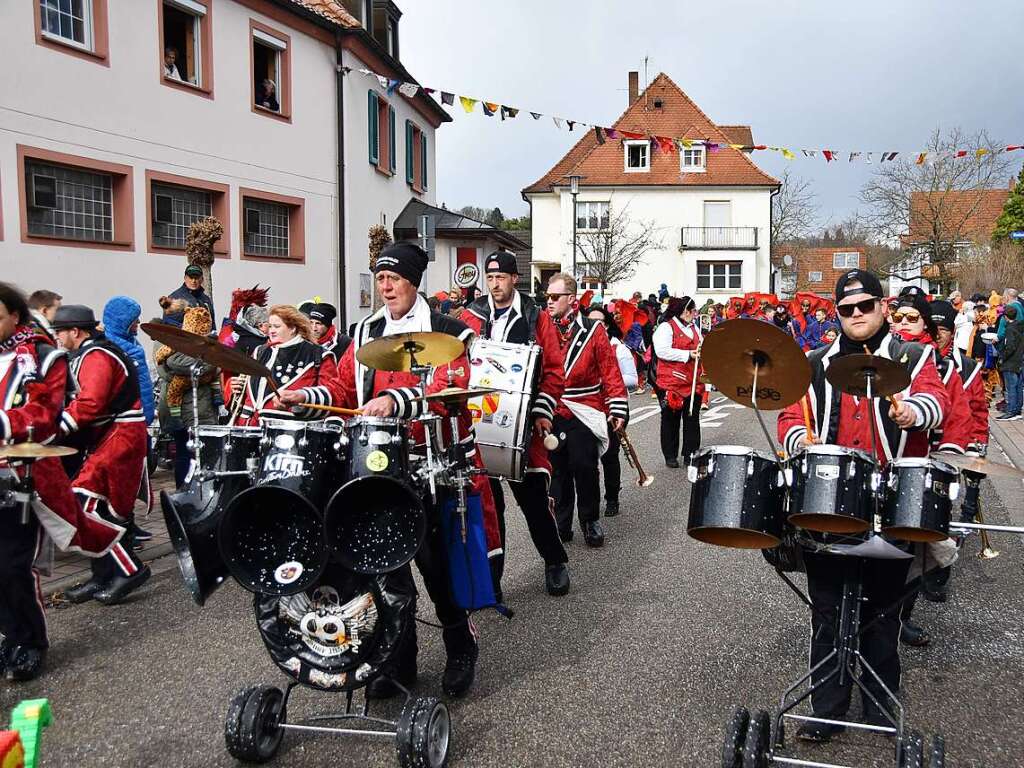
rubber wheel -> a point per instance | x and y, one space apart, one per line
735 736
937 758
251 730
755 746
913 750
424 733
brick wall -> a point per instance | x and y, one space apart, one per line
820 260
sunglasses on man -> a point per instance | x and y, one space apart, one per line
557 296
910 315
866 307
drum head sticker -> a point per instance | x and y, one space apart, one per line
284 442
503 418
377 461
827 472
288 573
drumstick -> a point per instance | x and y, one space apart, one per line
891 399
807 418
693 386
333 409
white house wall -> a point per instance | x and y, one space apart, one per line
670 209
124 114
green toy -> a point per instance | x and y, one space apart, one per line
28 719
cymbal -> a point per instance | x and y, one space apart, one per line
849 374
977 465
35 451
397 352
452 395
205 348
731 350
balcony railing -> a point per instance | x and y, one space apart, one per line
720 238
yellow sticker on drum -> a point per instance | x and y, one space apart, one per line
377 461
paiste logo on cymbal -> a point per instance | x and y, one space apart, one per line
763 393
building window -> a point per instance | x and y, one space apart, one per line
415 156
719 276
271 71
176 203
380 117
78 27
638 156
185 51
814 277
592 215
692 160
273 228
841 260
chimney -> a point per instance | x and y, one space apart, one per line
634 87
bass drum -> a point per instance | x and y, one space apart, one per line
736 498
337 634
919 499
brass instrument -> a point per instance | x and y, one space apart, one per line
239 399
987 553
643 479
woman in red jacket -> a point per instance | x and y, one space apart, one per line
677 346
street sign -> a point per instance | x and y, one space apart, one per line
1018 235
466 275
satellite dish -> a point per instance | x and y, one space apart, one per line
787 260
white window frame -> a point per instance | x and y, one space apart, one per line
278 46
647 155
731 267
197 11
685 167
89 44
814 277
586 206
845 262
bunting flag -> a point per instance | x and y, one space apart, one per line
664 143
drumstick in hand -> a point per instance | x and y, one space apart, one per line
807 418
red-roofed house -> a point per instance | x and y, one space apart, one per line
711 209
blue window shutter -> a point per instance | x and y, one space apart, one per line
372 127
409 153
391 145
423 160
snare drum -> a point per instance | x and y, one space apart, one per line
736 499
919 499
831 489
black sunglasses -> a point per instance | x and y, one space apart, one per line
865 307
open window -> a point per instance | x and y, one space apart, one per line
185 56
271 71
637 156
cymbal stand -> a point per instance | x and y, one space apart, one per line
423 372
759 361
27 485
196 442
869 380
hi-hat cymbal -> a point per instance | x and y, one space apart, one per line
732 350
401 351
978 465
850 374
205 348
35 451
452 395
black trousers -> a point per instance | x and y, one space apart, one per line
531 495
883 583
22 621
432 562
670 421
565 500
575 464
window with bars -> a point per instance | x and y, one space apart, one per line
592 215
266 226
719 276
69 202
175 209
68 20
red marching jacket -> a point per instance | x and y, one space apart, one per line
107 413
33 385
592 375
971 375
676 364
296 365
957 429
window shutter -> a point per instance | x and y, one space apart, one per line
409 153
392 159
372 128
423 160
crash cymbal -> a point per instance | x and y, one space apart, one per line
732 350
35 451
401 351
451 395
205 348
849 374
978 465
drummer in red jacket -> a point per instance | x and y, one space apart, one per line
841 419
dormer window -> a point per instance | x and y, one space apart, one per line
691 160
638 156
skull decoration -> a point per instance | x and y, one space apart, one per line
328 627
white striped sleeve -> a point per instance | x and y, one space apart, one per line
619 407
408 404
791 442
927 409
543 407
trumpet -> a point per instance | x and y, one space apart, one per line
987 552
239 399
643 479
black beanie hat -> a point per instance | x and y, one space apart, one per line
322 312
944 314
870 283
405 259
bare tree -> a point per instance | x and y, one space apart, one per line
793 210
1004 266
613 253
930 207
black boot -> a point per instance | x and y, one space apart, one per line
460 669
84 592
121 586
935 585
593 534
611 508
24 663
401 668
556 579
910 633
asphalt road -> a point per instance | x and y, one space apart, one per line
640 665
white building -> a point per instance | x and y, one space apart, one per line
711 211
107 154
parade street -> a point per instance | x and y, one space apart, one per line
640 665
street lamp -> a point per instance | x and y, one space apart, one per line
574 189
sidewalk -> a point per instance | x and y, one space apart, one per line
70 569
1010 437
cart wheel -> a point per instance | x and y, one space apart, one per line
938 756
913 750
251 730
755 747
424 733
735 734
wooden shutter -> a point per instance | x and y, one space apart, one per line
372 127
423 160
391 139
410 138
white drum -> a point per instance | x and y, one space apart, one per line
501 419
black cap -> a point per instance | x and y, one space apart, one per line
74 316
193 271
322 312
944 314
501 261
405 259
870 283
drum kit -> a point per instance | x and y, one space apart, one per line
826 498
20 491
317 519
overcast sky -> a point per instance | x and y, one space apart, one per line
872 75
